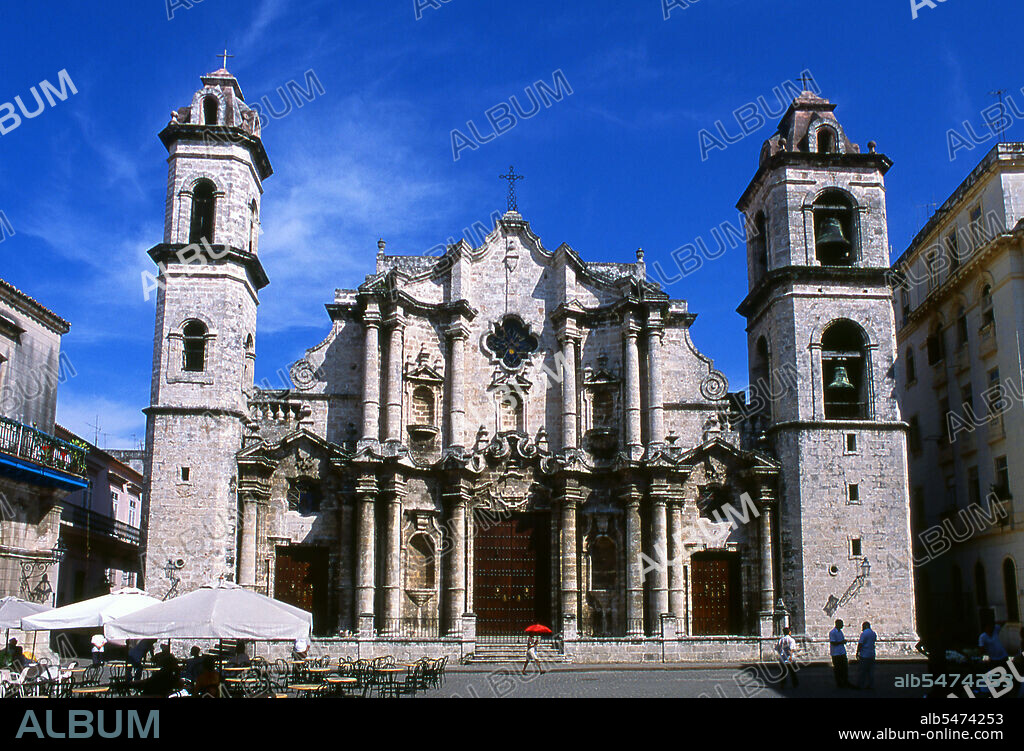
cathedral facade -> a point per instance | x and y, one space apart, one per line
509 435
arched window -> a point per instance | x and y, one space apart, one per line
826 141
210 107
759 243
1010 590
834 229
936 344
422 406
604 409
510 412
604 565
760 374
845 372
203 205
420 563
253 221
961 327
980 587
988 316
194 347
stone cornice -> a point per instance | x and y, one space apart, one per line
856 275
170 252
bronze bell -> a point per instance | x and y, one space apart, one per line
830 238
841 380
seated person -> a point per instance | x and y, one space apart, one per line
240 659
161 684
15 656
164 657
207 683
193 665
301 650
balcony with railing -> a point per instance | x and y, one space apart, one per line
32 456
92 523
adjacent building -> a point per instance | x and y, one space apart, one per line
512 434
959 301
37 468
100 527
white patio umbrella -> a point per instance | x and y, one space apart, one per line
215 611
90 613
13 609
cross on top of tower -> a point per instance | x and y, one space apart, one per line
512 177
224 57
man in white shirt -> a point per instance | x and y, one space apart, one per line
840 663
787 649
99 642
866 657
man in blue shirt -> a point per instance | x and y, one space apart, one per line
866 657
837 649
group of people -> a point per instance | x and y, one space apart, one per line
13 656
195 676
988 642
787 648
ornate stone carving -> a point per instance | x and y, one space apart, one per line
714 386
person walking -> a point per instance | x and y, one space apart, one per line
837 649
866 657
531 652
787 656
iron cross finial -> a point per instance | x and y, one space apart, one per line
512 177
224 55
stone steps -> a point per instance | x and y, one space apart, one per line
513 652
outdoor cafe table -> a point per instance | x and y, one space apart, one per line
306 687
87 690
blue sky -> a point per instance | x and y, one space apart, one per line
614 166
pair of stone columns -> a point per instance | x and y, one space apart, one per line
371 376
655 398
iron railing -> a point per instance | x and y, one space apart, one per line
86 519
41 448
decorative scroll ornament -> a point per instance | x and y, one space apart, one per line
303 374
511 342
714 386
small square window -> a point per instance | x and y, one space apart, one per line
853 492
851 443
855 550
185 474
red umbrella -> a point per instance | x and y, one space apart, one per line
537 628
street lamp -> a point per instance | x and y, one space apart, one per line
865 568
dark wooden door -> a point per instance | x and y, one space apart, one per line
511 573
300 579
715 595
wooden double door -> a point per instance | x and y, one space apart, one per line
300 579
511 573
715 594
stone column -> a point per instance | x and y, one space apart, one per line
247 557
632 396
347 538
655 402
456 593
569 432
658 578
457 335
634 580
394 378
393 552
568 557
767 568
366 491
676 597
371 376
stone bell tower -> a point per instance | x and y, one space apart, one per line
821 337
209 277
